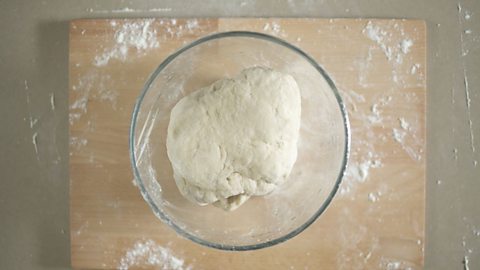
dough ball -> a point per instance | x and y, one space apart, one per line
236 138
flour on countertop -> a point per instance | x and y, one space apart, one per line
413 148
380 36
468 15
404 124
399 135
375 116
405 45
358 171
77 142
130 35
364 65
35 143
107 94
191 24
463 16
91 86
149 253
177 29
466 263
364 160
394 49
129 10
274 28
52 101
374 196
396 264
33 121
82 228
414 69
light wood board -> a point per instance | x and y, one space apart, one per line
376 221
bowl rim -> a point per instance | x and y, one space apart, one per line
163 216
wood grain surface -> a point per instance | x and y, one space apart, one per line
376 221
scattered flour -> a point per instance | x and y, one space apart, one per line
464 52
130 39
404 124
364 156
375 116
364 67
191 24
395 264
35 143
33 121
352 98
394 49
399 136
380 37
149 253
138 35
405 45
177 29
82 228
91 86
414 69
107 94
52 101
129 10
274 29
372 197
466 263
358 171
77 142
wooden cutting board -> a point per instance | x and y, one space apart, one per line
376 221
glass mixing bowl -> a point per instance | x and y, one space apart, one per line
323 145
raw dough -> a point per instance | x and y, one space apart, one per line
235 138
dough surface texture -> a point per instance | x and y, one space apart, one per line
236 138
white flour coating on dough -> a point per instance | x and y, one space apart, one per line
235 138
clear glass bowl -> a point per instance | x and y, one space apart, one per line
323 146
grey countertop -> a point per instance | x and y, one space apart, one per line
34 206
